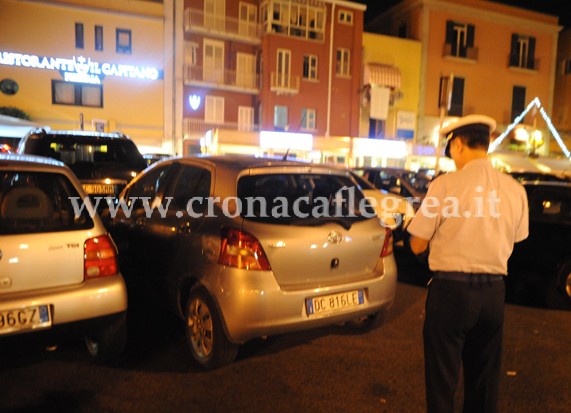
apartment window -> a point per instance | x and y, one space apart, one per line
245 118
522 52
345 17
567 67
518 101
77 94
310 67
459 39
308 119
98 37
343 62
280 118
123 39
79 38
214 110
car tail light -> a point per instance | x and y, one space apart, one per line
242 250
388 244
100 258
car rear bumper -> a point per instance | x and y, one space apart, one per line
90 300
253 305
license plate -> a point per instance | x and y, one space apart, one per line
98 189
27 318
334 302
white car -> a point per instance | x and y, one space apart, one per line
58 267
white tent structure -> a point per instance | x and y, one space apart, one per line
15 128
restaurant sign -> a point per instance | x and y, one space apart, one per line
79 69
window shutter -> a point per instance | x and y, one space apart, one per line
450 38
531 54
518 101
457 106
514 51
471 32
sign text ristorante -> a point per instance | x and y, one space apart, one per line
79 69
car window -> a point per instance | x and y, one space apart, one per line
149 184
81 150
549 205
192 181
35 202
301 199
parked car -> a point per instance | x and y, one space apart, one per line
403 182
259 261
395 211
539 270
59 274
103 162
151 158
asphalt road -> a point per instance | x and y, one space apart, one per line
328 370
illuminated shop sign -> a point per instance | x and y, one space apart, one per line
79 69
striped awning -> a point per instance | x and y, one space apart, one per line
382 75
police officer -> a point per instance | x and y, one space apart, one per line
467 225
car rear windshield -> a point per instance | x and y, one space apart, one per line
73 150
550 205
302 199
35 202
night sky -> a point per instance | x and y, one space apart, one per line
561 8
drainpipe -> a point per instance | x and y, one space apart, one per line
327 131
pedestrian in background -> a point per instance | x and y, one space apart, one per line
467 225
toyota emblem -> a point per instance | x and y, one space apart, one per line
334 237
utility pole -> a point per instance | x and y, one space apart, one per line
444 102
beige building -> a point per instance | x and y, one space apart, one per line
497 59
86 64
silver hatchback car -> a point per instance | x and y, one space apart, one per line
246 247
59 275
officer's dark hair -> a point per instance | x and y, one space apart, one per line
476 136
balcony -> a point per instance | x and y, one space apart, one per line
193 127
522 63
222 27
284 84
469 54
222 79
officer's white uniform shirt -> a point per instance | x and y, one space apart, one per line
472 218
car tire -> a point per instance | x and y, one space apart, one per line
368 323
109 343
207 341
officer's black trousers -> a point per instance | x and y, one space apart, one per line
464 324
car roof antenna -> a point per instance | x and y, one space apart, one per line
286 154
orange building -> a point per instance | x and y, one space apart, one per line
498 59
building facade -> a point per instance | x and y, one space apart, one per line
266 77
477 57
85 64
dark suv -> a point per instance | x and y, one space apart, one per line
539 270
103 162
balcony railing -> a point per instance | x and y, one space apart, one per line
222 77
284 84
516 62
469 53
198 126
196 20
